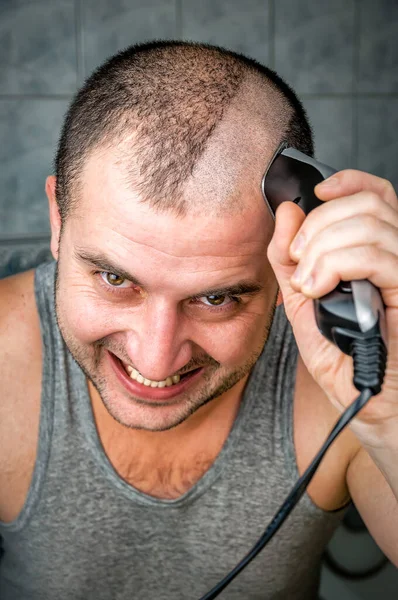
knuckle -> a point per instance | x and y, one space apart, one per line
371 253
388 186
370 222
373 202
350 173
323 261
342 173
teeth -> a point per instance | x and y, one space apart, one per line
134 374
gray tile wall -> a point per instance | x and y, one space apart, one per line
341 56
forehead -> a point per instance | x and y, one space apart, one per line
110 213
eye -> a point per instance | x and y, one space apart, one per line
216 301
113 280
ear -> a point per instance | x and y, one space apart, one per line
55 217
279 299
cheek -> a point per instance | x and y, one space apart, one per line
231 343
84 314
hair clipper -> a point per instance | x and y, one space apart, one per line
354 309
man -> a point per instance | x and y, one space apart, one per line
156 413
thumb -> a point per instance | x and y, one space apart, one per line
288 220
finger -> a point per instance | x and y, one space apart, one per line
360 230
348 264
362 203
351 181
288 219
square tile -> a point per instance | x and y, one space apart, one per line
112 26
29 130
378 46
314 44
377 137
332 123
37 47
239 26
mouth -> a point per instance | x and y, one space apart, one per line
168 391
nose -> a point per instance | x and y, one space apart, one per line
158 344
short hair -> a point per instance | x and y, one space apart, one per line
169 97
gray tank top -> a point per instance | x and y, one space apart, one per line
85 534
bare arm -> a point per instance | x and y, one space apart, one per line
375 494
20 369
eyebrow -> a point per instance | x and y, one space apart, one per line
245 287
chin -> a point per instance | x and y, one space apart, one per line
148 418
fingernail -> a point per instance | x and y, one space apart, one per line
308 284
331 181
298 245
296 277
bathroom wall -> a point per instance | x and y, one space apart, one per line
341 56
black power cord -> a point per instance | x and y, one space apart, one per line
370 358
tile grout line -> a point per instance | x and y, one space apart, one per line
355 77
376 95
271 34
79 42
178 19
22 240
35 96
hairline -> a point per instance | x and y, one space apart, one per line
118 137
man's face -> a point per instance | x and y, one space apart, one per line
146 290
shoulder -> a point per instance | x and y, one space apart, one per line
20 367
19 321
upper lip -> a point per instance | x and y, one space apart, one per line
180 374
